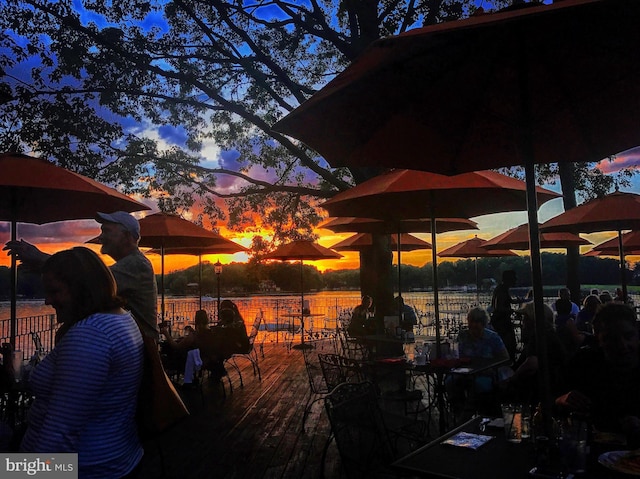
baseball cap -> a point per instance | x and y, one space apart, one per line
122 218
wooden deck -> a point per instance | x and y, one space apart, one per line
256 432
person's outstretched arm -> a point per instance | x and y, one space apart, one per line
28 254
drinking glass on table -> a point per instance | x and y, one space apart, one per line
512 417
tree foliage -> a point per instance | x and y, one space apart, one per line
102 88
174 99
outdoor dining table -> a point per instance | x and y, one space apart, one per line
497 458
301 316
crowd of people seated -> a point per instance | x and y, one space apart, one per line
593 358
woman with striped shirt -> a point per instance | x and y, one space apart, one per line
86 388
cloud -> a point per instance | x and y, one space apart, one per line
176 135
626 159
63 231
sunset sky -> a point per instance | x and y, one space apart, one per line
56 236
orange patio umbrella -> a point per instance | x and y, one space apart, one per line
33 190
474 248
617 211
630 243
301 250
518 238
229 247
344 224
529 84
406 194
163 231
397 227
362 241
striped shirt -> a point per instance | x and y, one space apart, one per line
86 394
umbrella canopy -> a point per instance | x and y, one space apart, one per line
464 93
33 190
408 194
162 230
396 227
362 241
370 225
473 248
229 247
518 238
617 211
405 194
301 250
531 84
613 212
630 243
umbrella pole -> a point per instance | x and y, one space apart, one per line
398 249
162 279
477 284
536 277
200 280
302 345
14 288
623 267
442 421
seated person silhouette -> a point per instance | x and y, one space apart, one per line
476 342
230 332
200 349
603 382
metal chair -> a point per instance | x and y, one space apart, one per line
359 430
251 353
317 385
338 369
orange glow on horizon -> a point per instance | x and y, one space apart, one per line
350 259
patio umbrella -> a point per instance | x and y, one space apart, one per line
164 231
301 250
397 227
344 224
223 248
405 194
630 243
400 194
518 238
617 211
33 190
362 241
474 248
531 84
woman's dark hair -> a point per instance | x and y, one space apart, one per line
201 318
227 304
90 283
610 312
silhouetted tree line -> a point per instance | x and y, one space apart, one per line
242 278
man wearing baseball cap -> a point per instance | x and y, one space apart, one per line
132 271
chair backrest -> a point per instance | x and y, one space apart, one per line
37 342
338 369
255 327
317 384
359 430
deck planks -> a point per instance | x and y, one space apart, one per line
256 432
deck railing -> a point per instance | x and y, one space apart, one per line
274 311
